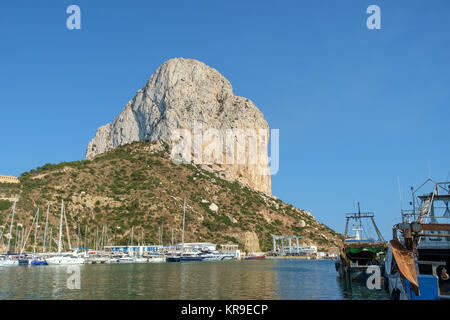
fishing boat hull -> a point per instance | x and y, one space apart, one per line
358 274
38 263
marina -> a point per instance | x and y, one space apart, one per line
412 266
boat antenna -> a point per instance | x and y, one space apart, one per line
400 193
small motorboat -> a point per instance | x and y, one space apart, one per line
38 262
255 257
126 260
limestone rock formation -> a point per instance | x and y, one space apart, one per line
187 94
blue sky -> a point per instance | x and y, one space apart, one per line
356 108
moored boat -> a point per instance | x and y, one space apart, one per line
357 254
173 259
140 260
255 256
64 259
126 259
7 261
156 259
418 259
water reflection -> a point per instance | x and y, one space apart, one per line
266 279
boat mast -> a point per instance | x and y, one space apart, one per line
35 230
78 235
132 228
17 237
46 228
60 226
162 233
50 240
96 238
85 238
67 230
11 226
184 218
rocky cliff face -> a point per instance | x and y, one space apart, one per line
187 94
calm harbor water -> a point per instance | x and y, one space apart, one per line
263 279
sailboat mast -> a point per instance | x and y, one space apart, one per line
50 241
132 236
46 227
96 239
11 226
17 237
184 218
67 230
60 226
85 238
35 230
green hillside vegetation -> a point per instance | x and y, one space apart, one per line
134 187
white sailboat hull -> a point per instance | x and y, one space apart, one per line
64 260
9 262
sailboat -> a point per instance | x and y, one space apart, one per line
38 261
184 256
63 258
6 260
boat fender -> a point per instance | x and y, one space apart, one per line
444 274
395 295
